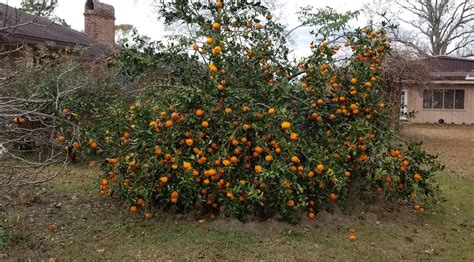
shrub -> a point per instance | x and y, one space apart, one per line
46 96
260 134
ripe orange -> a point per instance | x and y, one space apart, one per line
259 26
76 145
258 168
199 112
169 123
332 197
93 145
417 177
272 111
61 139
216 26
196 47
216 51
291 203
189 142
268 158
354 80
230 195
209 41
164 180
311 215
295 159
234 160
219 4
352 238
213 68
293 136
174 194
205 124
286 125
133 209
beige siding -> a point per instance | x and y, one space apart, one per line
456 116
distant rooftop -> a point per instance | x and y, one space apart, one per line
20 27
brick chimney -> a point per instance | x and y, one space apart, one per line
100 22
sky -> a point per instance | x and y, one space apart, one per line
141 14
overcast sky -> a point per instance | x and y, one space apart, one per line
141 14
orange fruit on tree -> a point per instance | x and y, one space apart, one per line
291 203
205 124
332 197
76 145
169 123
199 112
133 209
93 145
189 142
230 195
164 180
295 159
216 26
286 125
258 168
311 215
174 194
196 47
293 136
417 177
61 139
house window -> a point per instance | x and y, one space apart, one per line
459 99
443 99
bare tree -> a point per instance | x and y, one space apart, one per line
430 27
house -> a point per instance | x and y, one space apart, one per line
447 98
21 29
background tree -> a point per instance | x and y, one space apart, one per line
43 8
123 33
430 27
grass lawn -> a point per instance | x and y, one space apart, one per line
94 228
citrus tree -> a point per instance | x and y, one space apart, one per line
247 132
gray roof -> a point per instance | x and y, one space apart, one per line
21 26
